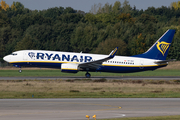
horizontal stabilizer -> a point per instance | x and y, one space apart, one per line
163 61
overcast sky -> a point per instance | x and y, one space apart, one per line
85 5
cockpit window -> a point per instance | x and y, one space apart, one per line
13 54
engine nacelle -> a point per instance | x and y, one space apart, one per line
70 68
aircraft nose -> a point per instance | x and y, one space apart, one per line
6 58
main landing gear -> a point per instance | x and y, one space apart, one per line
20 70
88 75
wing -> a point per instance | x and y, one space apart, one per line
96 64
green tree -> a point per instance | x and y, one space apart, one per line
62 33
36 36
25 44
117 7
69 10
70 18
126 18
174 52
91 18
25 21
52 12
106 18
108 45
4 20
146 19
126 7
5 36
84 38
138 46
17 5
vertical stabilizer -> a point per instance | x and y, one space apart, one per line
160 48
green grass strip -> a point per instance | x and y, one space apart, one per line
58 73
89 89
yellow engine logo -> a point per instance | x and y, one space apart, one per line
162 46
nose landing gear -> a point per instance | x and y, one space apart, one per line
88 75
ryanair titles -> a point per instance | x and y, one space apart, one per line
60 57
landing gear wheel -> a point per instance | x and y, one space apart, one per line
88 75
20 71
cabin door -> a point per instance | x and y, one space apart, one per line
25 56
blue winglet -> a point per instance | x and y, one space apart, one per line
113 53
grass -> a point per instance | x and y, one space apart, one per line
58 73
175 117
87 88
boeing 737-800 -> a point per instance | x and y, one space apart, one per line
72 62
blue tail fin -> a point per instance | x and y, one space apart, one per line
160 48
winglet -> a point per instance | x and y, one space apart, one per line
113 53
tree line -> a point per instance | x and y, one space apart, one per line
99 31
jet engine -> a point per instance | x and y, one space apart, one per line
69 68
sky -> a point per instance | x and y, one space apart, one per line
85 5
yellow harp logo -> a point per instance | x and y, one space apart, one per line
162 46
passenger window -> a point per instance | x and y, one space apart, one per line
14 54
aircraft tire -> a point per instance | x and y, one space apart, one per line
88 75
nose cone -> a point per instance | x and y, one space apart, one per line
6 58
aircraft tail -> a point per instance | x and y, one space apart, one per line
160 48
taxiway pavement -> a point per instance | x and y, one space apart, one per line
78 108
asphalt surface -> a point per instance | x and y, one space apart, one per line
93 78
77 109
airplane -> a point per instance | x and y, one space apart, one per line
70 62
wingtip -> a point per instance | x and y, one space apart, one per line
113 53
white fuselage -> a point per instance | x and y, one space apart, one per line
54 59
